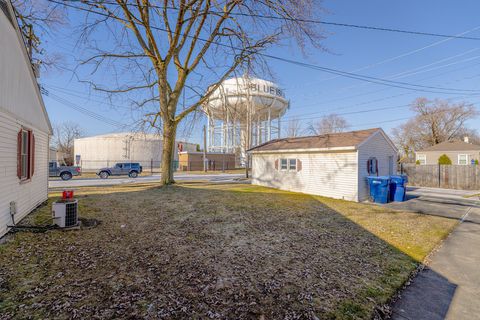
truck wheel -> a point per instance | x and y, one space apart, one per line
104 175
133 174
66 176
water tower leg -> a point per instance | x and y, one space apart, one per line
259 134
208 133
269 125
279 132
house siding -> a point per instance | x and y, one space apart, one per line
432 156
379 147
326 174
27 195
19 94
21 105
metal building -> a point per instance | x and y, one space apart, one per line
242 113
96 152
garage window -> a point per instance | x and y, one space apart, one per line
292 164
283 164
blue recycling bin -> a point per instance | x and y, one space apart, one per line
379 188
398 188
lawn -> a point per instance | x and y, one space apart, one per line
220 251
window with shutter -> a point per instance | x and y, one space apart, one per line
25 154
372 165
32 154
292 164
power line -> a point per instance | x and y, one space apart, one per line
403 55
84 111
411 72
397 84
397 95
315 21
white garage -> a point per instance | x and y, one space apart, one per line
333 165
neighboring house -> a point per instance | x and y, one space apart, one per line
333 165
25 129
460 152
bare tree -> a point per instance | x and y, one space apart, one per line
64 135
331 123
434 122
294 128
36 19
169 56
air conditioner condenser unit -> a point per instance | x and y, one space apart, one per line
65 213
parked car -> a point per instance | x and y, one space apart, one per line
132 169
64 172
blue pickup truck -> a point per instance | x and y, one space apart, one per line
132 169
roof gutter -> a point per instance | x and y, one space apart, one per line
333 149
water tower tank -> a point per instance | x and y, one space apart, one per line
242 113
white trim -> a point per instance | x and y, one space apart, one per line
290 162
286 160
417 158
466 159
333 149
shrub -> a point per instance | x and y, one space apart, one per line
444 159
476 162
417 162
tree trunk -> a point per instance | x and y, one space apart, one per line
169 134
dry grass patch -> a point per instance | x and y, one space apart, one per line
214 251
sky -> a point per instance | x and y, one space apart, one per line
425 60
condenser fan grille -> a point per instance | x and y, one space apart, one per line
71 214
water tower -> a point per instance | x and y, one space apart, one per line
242 113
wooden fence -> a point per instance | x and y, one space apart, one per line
443 176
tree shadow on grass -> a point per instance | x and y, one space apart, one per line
198 251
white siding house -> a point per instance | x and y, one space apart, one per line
24 127
333 165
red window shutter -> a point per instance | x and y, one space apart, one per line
276 164
299 165
32 154
19 154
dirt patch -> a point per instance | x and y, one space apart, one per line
86 223
210 251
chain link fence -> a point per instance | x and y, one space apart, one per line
154 166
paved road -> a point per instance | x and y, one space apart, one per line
442 193
84 182
449 288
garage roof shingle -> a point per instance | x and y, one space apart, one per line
332 140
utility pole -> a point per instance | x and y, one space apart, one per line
204 148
